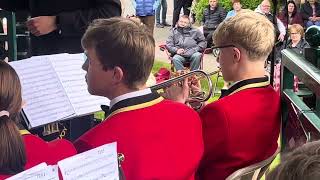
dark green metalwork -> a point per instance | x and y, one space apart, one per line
10 37
308 71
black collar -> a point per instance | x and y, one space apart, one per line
134 101
130 103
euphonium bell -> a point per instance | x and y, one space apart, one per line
201 74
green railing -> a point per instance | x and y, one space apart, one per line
10 37
305 108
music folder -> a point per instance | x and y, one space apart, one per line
54 89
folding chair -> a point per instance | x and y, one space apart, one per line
164 48
255 171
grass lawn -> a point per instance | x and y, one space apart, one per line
159 64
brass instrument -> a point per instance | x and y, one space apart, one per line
174 80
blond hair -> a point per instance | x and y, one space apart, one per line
249 30
298 28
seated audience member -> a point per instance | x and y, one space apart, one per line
160 139
212 17
185 43
236 5
290 15
242 127
264 8
297 41
310 12
301 163
19 149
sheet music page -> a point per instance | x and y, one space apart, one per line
96 164
72 76
39 172
46 100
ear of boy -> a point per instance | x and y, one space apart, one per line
236 55
118 74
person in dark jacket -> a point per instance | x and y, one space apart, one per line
212 17
177 5
297 43
186 42
310 12
57 26
290 15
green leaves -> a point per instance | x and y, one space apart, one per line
199 6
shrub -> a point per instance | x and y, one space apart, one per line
199 7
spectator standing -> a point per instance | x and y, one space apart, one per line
57 26
163 5
177 5
145 10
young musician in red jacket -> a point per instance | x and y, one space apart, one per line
160 139
242 127
19 149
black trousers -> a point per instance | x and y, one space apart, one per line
208 35
177 5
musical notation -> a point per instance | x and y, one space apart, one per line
55 89
99 163
43 92
72 76
39 172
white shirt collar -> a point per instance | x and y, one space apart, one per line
129 95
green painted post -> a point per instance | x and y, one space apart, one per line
286 83
307 69
12 40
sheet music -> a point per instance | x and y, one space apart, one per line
46 100
39 172
72 76
96 164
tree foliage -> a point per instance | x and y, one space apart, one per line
199 6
